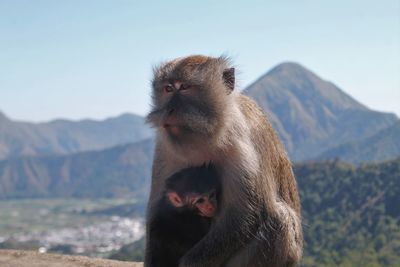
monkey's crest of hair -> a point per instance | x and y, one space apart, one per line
194 60
211 67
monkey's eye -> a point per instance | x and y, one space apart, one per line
168 88
185 87
199 201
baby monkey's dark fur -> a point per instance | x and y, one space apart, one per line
179 228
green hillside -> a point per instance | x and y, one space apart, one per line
351 215
122 171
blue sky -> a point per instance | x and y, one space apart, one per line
92 59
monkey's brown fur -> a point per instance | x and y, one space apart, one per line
259 223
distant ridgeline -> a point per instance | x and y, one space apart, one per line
351 215
314 118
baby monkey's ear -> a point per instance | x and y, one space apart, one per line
229 78
175 199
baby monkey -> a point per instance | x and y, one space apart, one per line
183 215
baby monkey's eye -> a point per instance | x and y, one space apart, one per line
168 88
185 86
200 200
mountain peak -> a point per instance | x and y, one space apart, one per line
3 116
291 69
289 65
297 82
307 110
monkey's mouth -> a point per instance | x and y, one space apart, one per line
207 212
167 125
169 122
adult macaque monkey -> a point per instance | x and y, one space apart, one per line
200 118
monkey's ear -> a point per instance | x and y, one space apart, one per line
228 75
175 199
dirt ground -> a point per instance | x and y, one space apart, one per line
19 258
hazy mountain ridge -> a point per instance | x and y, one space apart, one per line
381 146
314 118
65 136
122 171
312 115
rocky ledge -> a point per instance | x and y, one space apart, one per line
20 258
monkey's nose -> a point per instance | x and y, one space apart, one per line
210 209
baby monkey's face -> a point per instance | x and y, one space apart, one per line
203 204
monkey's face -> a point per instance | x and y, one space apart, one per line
190 96
204 204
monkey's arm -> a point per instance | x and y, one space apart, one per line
153 242
232 231
154 246
164 253
162 250
155 253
